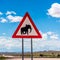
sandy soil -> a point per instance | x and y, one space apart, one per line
36 59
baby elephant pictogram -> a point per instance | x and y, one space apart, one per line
25 30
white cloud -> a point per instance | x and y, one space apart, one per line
10 12
9 17
1 13
50 41
50 35
9 43
54 36
3 20
14 18
41 45
44 36
54 11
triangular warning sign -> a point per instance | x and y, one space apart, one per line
26 29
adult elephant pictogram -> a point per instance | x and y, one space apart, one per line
25 30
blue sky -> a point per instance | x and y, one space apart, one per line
46 16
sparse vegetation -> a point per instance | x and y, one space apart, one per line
41 54
58 55
2 58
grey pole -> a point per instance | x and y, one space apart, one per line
22 49
31 49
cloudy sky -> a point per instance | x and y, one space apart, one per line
46 16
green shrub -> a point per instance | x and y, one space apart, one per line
2 58
41 55
58 55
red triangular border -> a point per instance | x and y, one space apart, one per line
19 36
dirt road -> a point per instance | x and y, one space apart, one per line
36 59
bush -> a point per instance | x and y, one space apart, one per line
2 58
41 55
58 55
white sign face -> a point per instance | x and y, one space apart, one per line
27 28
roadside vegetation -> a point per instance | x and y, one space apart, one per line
41 54
44 54
2 58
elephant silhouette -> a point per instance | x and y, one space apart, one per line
24 30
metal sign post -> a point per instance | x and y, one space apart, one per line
22 49
31 49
